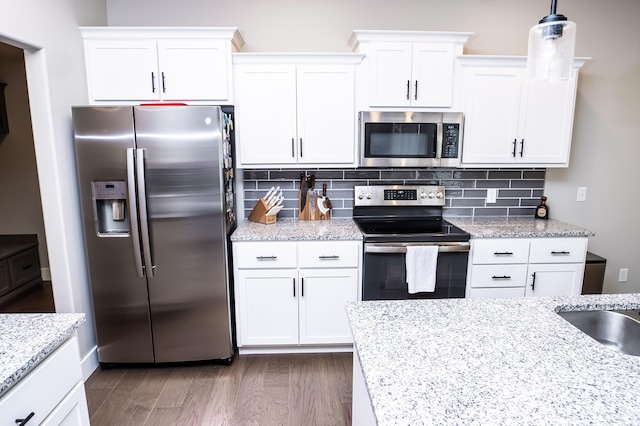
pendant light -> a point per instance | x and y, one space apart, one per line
551 48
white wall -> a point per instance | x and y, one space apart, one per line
55 71
20 208
605 149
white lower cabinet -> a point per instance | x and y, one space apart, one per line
292 295
516 267
52 394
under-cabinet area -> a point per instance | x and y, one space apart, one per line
19 265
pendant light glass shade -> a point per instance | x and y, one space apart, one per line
551 51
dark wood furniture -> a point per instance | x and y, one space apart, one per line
19 265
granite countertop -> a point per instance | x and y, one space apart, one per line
492 361
517 227
298 230
27 339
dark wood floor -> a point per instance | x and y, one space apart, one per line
39 300
301 389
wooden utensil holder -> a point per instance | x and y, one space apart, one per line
259 213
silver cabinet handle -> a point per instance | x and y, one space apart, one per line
153 82
560 253
503 253
332 257
408 88
261 258
144 218
300 147
293 147
415 93
133 211
164 87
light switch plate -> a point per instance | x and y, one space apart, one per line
623 275
582 194
492 194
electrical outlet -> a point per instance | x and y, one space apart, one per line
623 275
492 194
582 194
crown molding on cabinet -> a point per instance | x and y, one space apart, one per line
358 36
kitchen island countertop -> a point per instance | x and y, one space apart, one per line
517 227
492 361
298 230
27 339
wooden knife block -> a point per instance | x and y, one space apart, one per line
259 213
306 214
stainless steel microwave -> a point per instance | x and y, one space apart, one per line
410 139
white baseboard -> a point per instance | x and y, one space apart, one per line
89 363
46 274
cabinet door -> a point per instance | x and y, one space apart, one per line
266 114
323 294
492 105
5 280
267 307
561 279
546 122
194 70
390 74
432 73
326 114
122 70
72 410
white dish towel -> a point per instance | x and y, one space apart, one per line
421 263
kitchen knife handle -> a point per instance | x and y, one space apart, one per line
133 211
408 88
153 82
515 142
521 147
415 93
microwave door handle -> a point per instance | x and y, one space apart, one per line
439 140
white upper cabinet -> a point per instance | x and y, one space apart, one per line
408 68
131 65
511 121
295 109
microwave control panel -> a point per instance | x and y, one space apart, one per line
450 138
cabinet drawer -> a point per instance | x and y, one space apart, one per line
487 293
502 250
5 281
24 267
263 255
340 254
498 276
42 389
558 250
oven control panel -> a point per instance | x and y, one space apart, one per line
406 195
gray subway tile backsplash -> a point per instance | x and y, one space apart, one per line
518 190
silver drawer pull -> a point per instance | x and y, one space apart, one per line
504 277
266 258
562 253
333 257
503 253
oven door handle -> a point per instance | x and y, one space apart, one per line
442 248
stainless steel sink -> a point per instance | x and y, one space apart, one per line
618 330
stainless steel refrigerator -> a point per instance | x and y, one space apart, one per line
156 186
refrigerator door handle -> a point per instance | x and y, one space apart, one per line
144 221
133 211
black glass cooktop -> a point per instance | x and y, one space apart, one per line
410 230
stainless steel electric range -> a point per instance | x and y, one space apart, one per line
393 217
